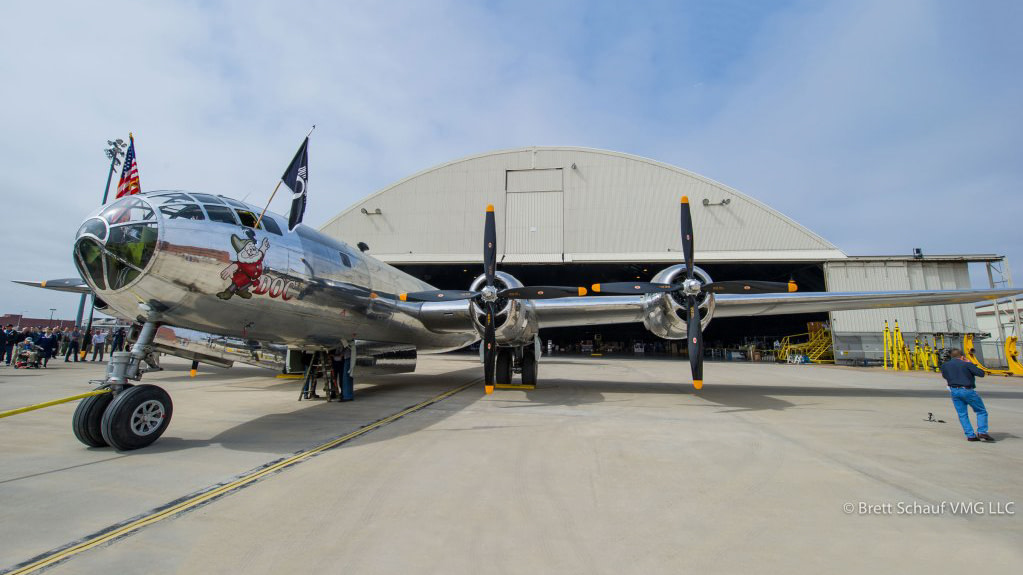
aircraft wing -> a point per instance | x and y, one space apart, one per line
812 302
601 310
73 285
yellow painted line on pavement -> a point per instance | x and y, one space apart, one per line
193 502
11 412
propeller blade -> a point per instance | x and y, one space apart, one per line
490 246
750 287
626 288
542 292
489 350
695 341
437 295
687 236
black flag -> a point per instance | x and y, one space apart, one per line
296 177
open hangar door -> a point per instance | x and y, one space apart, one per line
721 333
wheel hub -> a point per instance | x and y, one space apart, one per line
147 417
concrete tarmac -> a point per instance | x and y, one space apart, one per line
610 466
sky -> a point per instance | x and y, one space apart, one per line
882 126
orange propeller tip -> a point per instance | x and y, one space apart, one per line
488 389
582 291
595 288
697 384
373 295
793 286
403 297
192 373
42 284
685 199
490 207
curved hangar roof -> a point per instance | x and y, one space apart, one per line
557 204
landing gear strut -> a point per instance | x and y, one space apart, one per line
130 416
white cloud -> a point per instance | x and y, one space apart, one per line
883 126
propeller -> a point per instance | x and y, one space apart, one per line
691 287
489 294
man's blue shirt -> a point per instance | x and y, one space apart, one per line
960 372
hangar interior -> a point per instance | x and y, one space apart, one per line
576 216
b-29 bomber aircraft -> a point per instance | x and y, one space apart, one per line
209 263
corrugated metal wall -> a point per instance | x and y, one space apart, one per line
860 275
616 207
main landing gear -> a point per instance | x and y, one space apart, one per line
130 416
516 359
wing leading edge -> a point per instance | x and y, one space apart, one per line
630 309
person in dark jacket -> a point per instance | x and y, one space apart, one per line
117 342
48 342
959 373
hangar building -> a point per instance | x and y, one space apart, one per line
576 216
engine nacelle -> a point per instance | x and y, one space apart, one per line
515 323
664 314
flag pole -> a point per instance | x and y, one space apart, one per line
278 186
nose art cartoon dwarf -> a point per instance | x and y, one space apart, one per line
247 268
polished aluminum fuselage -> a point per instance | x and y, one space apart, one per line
306 297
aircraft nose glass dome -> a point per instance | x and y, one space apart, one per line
114 249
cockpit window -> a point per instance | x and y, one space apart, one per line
94 226
221 214
171 198
112 254
182 212
89 257
128 210
130 249
234 203
207 199
248 218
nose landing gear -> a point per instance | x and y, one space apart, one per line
130 416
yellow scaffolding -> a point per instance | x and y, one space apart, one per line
818 347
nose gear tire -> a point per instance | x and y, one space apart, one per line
137 417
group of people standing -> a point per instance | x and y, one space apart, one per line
72 343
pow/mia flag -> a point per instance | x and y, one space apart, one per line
296 177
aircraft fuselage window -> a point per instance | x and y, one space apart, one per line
345 260
182 212
248 219
221 214
271 225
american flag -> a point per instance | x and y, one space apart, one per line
129 183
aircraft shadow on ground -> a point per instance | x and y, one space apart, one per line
318 421
741 397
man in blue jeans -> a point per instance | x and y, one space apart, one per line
959 372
